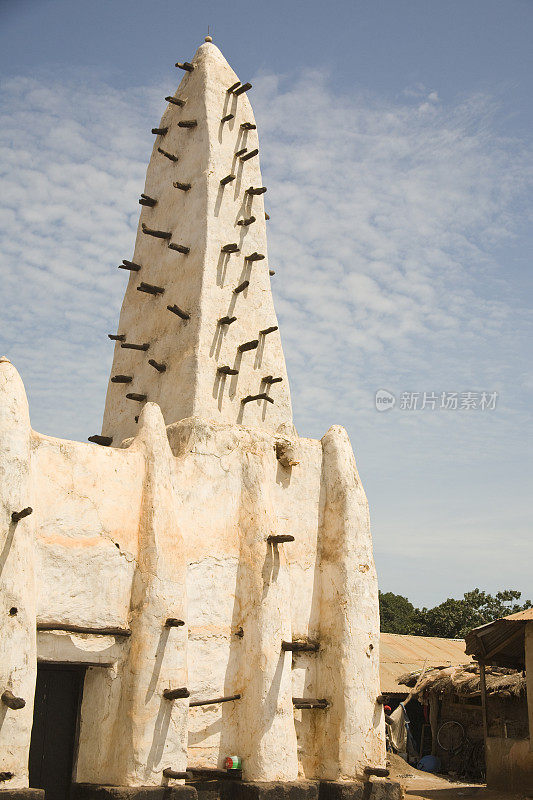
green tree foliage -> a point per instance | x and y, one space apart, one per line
451 619
397 614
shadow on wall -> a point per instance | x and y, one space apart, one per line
7 545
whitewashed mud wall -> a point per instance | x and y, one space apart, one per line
18 661
113 531
238 495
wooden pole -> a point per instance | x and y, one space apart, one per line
483 687
16 516
175 101
172 773
175 694
105 441
9 699
61 626
173 622
215 701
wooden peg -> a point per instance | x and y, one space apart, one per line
139 398
248 126
157 234
271 272
183 186
156 365
248 346
171 156
136 418
227 179
304 702
256 190
265 331
280 538
307 646
9 699
117 337
246 222
227 371
379 772
187 123
16 516
159 131
250 155
175 101
212 773
172 773
230 248
177 310
175 694
144 200
267 216
214 701
172 622
241 287
121 379
261 396
129 346
130 265
226 320
228 117
241 89
269 379
185 65
181 248
241 152
233 87
254 257
149 289
105 441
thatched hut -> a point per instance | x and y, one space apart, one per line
451 697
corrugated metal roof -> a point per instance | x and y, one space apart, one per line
525 615
400 654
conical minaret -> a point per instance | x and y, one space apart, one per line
198 333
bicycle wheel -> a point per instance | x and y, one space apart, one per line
450 736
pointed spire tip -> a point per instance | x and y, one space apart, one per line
208 39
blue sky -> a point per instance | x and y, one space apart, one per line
396 144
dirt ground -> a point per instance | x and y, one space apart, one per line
423 786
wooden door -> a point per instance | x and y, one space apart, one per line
54 734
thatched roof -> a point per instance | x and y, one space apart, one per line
463 681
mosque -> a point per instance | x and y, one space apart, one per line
189 601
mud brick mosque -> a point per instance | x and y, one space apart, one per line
197 583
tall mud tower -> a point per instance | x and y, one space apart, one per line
198 334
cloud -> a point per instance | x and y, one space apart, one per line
387 221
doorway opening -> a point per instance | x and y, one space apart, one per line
54 736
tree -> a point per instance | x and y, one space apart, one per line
451 619
397 614
454 618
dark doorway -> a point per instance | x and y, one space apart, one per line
55 728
